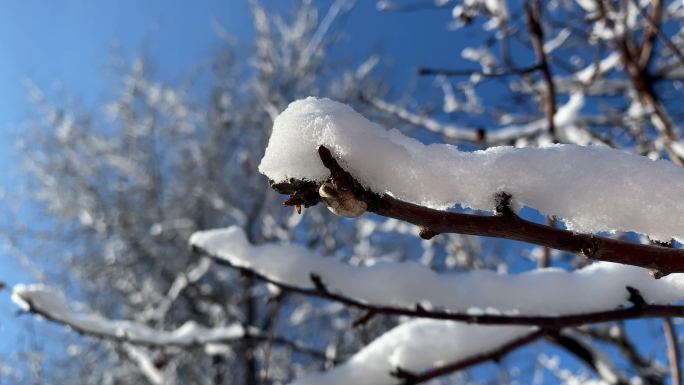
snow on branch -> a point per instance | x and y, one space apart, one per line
591 188
49 304
399 355
550 297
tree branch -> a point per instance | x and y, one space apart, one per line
537 34
673 353
643 83
590 357
412 379
249 334
650 371
320 290
659 260
650 33
653 24
494 74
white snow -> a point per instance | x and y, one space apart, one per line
50 304
591 188
479 55
415 346
541 292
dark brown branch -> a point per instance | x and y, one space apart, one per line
537 34
586 355
646 369
659 260
412 379
673 353
493 74
365 317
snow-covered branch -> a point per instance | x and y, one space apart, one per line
410 289
49 304
415 352
591 188
492 355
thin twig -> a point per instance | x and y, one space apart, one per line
648 43
587 355
534 14
647 369
269 343
492 74
643 83
412 379
673 353
673 48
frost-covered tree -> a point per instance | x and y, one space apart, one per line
571 111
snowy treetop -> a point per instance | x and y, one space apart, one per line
591 188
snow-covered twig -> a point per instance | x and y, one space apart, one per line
146 365
49 304
495 355
384 170
660 260
416 351
413 290
179 284
594 359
